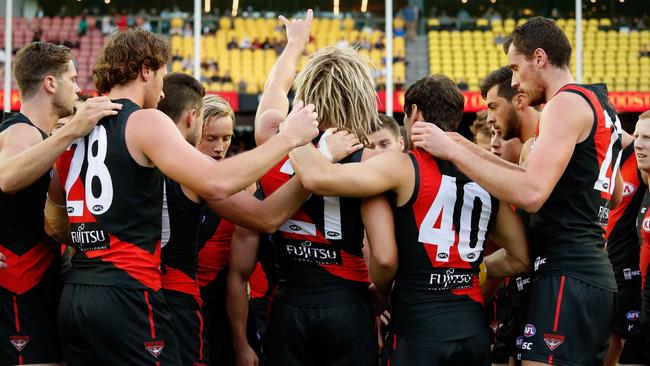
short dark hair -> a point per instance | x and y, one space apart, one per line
439 100
181 92
502 78
542 33
36 61
389 123
121 59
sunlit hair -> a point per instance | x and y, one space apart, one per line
214 106
340 84
645 115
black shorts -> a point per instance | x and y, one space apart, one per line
257 325
217 343
335 335
104 325
628 310
407 351
28 325
640 343
567 322
189 327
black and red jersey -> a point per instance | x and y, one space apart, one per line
440 232
566 234
621 234
318 251
215 235
23 240
179 250
643 225
115 208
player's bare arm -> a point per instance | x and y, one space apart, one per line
377 217
481 152
213 181
57 225
530 188
274 103
243 257
509 233
381 173
267 215
21 145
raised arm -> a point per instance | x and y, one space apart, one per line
265 215
531 187
381 173
510 235
213 181
243 257
274 103
21 145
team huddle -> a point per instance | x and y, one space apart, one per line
128 238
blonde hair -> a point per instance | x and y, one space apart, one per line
214 106
340 84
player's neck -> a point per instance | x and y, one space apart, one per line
529 118
130 91
556 80
40 112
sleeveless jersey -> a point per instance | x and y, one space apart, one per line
318 251
643 225
179 254
566 234
23 241
115 208
215 235
622 236
440 232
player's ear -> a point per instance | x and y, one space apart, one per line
190 117
540 57
401 143
49 83
146 73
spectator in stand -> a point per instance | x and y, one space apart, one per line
242 86
232 44
266 44
380 43
462 84
3 56
411 16
256 45
107 26
39 12
245 43
121 22
187 30
644 52
342 43
38 33
82 28
481 131
226 77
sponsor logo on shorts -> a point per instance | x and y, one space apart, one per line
89 236
628 189
539 261
633 315
628 273
155 347
529 330
311 252
553 341
522 282
19 341
519 341
603 215
450 280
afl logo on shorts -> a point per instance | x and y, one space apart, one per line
529 330
628 189
633 315
646 224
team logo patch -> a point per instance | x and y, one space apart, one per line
155 347
553 341
529 330
519 341
494 325
628 189
633 315
19 342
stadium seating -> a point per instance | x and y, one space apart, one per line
610 56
